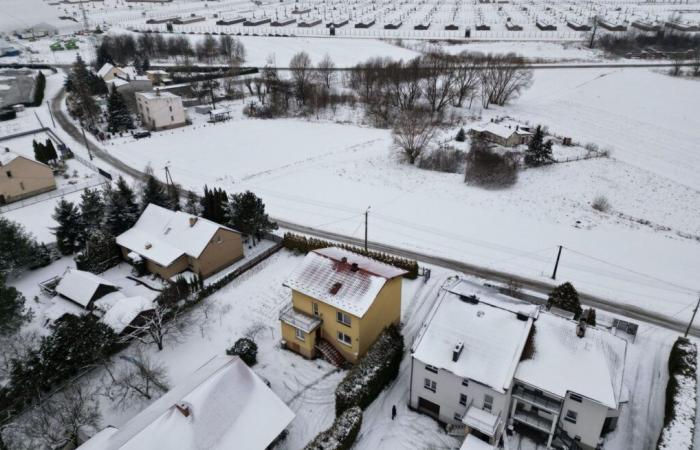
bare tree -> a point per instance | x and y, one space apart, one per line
326 70
466 78
232 49
677 61
57 421
503 78
439 80
137 378
163 322
301 68
413 131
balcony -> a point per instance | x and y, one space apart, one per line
299 320
534 420
535 399
481 420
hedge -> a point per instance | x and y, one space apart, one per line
372 374
341 435
305 244
681 400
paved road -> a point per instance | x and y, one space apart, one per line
541 286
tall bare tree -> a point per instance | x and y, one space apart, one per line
503 78
413 131
439 80
138 377
466 82
302 73
163 322
326 71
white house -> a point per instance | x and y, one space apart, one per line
222 405
484 362
160 110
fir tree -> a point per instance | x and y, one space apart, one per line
51 154
91 213
461 135
40 153
81 84
68 230
214 205
538 151
121 209
173 192
118 115
18 248
153 193
192 205
13 313
101 252
145 65
246 213
565 297
103 56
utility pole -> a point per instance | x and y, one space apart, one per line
556 264
48 104
687 330
366 218
87 145
168 177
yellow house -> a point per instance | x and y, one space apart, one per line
22 177
341 302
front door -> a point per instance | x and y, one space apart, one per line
428 407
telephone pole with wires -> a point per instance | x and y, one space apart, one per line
556 264
168 177
366 220
692 318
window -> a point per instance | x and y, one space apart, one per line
430 368
430 385
219 239
171 109
299 334
314 309
463 399
9 174
576 397
488 403
465 382
458 417
343 318
344 338
172 119
571 416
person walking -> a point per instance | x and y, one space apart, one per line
393 412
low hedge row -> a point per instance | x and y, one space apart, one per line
372 374
681 397
341 435
305 244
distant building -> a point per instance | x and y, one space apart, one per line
341 302
173 242
223 405
483 362
506 135
160 110
22 177
6 50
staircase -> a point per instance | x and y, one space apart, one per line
330 353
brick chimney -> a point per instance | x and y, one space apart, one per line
581 328
193 221
184 409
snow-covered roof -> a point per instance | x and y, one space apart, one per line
99 440
493 337
591 366
329 275
162 235
222 405
124 311
491 296
217 111
104 70
6 157
118 82
471 442
158 93
80 286
500 129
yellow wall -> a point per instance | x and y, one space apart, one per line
305 347
28 178
225 248
385 310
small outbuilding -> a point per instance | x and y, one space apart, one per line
84 288
504 134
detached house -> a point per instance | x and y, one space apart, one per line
160 110
341 302
506 135
22 177
172 242
484 362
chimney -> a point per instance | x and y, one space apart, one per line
157 92
335 288
581 328
193 221
354 267
184 408
148 245
344 259
457 351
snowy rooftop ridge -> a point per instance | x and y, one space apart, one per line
7 156
493 336
221 406
343 279
162 235
124 311
80 286
500 129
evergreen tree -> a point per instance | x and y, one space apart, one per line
81 84
51 154
154 193
99 254
214 205
18 248
40 153
13 313
192 205
103 56
145 65
118 115
538 151
92 208
68 231
461 135
173 192
246 213
121 209
565 297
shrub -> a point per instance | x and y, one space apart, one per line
246 349
601 203
446 159
305 244
681 397
461 135
341 435
565 297
372 374
489 169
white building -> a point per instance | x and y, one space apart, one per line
160 110
222 405
484 362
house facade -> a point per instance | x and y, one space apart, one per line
173 242
341 299
22 177
503 134
484 362
160 110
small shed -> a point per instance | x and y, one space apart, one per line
125 314
219 115
84 288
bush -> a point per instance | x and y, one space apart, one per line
461 135
601 203
341 435
679 417
445 159
246 349
305 244
372 374
489 169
